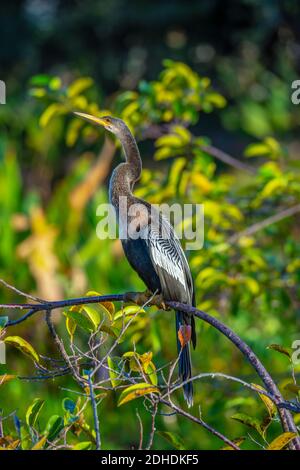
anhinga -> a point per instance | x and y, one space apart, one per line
156 253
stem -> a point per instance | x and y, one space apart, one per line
95 414
285 416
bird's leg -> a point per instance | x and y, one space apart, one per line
139 298
142 298
159 302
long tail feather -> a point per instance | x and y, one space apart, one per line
185 365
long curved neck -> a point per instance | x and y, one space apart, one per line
126 174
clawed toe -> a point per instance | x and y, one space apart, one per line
142 298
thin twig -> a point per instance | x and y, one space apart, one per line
285 416
141 429
201 423
153 428
18 291
226 158
95 413
265 223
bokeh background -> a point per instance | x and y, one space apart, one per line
54 174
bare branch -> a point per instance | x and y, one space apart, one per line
285 416
265 223
200 422
226 158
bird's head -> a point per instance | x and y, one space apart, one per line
114 125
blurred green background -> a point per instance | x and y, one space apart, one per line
148 62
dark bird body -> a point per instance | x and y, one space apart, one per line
150 244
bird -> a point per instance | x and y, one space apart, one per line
150 244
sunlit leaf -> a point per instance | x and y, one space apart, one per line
52 110
55 83
54 427
256 150
6 378
33 411
79 85
81 320
136 391
71 326
271 407
40 444
128 311
106 307
281 441
87 445
93 314
113 373
23 346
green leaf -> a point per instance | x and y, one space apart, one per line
78 86
170 140
256 150
238 441
23 346
3 321
216 99
111 331
54 427
136 391
71 326
26 440
248 421
151 372
6 378
271 407
81 320
291 387
87 445
163 152
73 131
281 441
55 83
37 92
113 374
269 147
128 311
50 112
33 411
93 314
40 80
173 438
40 444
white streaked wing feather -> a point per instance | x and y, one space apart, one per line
168 257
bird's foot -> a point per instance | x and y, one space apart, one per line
159 302
147 297
139 298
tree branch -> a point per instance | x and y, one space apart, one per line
286 418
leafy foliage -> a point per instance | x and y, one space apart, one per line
248 271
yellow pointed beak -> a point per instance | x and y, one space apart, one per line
88 117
